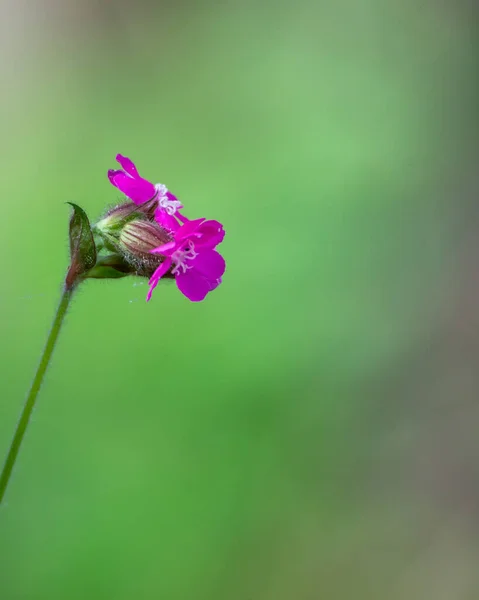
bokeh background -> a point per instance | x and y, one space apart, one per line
311 430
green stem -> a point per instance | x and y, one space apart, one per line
32 395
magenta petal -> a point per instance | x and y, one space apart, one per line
138 190
165 249
181 217
150 291
128 166
157 275
214 284
165 220
212 234
171 196
210 264
193 285
189 228
112 173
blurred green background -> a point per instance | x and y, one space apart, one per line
310 430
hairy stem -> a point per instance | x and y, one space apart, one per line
33 393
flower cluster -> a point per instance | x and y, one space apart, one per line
177 246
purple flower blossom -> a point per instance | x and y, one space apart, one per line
191 255
188 248
140 190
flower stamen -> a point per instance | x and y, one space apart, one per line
181 256
170 206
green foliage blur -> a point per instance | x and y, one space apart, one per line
265 444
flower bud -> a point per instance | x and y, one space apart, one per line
117 217
130 232
135 241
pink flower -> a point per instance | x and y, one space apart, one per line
189 252
191 255
139 190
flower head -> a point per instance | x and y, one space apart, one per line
140 190
192 258
156 240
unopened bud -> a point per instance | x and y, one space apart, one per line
116 218
143 236
137 239
131 232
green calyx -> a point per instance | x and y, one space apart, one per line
82 246
90 256
119 244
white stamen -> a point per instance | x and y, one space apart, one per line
161 189
170 206
180 256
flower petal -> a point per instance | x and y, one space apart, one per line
171 196
157 275
214 284
210 264
165 249
112 173
188 229
193 285
165 220
128 166
181 217
138 190
150 291
212 234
